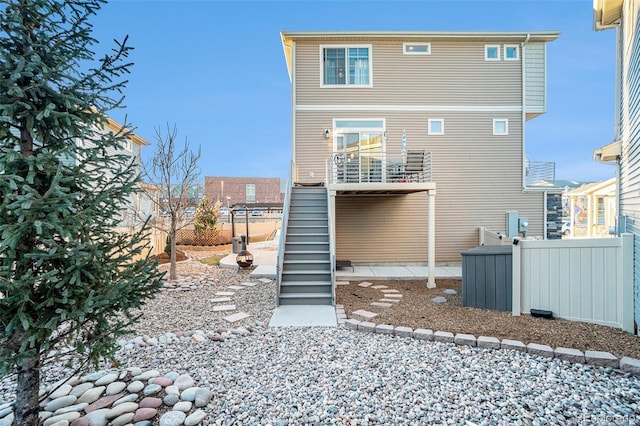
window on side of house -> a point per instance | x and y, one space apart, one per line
346 66
511 52
436 126
500 126
416 48
491 52
250 192
127 145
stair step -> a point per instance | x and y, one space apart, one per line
301 265
289 287
305 276
307 238
306 255
299 246
306 299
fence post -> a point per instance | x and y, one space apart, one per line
515 279
627 282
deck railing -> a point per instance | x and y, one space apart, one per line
283 232
353 167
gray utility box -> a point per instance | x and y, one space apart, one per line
487 277
237 244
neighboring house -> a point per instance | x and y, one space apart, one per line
624 150
593 209
242 190
367 105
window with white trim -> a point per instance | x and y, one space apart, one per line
416 48
436 126
346 65
127 144
250 192
491 52
511 52
500 126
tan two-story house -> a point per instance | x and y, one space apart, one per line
418 138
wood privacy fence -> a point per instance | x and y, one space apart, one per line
587 280
205 237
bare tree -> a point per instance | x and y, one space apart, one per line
172 173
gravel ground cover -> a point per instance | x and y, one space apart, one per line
291 376
416 309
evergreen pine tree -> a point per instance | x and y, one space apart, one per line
68 278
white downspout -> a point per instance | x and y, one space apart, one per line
524 111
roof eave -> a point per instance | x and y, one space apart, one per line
485 35
606 14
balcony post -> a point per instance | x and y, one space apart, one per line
431 238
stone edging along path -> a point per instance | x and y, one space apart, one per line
390 297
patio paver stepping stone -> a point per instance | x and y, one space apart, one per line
365 284
264 280
220 299
393 295
225 293
235 287
342 282
221 308
390 290
379 286
381 304
364 314
249 284
385 300
450 291
439 299
236 317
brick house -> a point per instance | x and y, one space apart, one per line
240 190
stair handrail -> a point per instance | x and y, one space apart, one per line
283 232
332 251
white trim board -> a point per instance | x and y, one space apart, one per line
439 108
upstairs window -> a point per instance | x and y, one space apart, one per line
511 52
346 66
416 48
491 52
500 127
436 126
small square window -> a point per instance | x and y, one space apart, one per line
416 48
436 126
491 52
511 52
500 126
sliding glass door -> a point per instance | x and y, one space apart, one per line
359 147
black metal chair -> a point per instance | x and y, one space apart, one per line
414 168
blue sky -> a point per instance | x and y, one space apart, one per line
216 69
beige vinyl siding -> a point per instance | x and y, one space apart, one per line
535 84
382 229
454 74
393 229
478 175
478 178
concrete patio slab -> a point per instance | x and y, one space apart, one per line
304 316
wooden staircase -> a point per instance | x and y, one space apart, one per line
306 268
